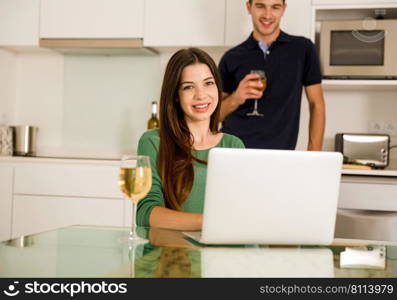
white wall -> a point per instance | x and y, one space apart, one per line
107 102
84 106
39 95
7 86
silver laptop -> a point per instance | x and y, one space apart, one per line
270 197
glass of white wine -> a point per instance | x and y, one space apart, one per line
135 181
263 79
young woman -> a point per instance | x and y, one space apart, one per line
189 117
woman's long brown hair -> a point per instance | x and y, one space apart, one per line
176 158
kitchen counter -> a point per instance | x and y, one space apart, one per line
60 160
83 251
115 162
383 173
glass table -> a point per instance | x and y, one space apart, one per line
84 251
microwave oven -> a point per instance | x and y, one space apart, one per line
356 49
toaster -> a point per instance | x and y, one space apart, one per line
365 149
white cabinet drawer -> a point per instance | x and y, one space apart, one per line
76 180
368 196
33 214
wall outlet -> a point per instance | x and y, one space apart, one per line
391 128
383 127
376 127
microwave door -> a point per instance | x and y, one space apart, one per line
351 53
347 50
356 48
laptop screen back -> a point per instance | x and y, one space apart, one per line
271 196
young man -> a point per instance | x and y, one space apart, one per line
290 62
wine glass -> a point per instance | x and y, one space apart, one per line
135 181
263 79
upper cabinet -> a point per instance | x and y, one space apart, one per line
238 22
19 22
298 18
171 23
352 2
184 23
91 18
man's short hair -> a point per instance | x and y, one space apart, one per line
253 0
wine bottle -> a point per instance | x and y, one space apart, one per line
153 121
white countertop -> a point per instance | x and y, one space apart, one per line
384 173
61 160
115 162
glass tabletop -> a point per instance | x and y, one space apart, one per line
83 251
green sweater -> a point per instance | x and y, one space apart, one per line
149 144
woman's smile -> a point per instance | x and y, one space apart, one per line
201 107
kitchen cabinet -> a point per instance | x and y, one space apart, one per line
54 194
19 22
67 179
91 18
298 18
184 23
368 193
6 175
352 2
239 24
40 194
37 213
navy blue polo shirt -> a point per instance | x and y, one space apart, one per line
290 63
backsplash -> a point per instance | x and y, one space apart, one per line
84 106
7 86
107 100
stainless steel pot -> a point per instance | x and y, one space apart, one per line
25 140
21 242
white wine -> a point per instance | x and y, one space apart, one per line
135 183
153 121
264 84
263 80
